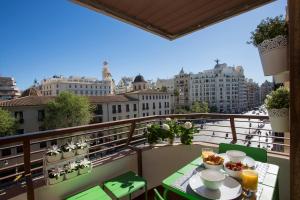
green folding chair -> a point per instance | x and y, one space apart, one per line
255 153
157 196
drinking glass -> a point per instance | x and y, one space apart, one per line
207 152
249 181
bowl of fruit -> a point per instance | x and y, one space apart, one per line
214 162
234 169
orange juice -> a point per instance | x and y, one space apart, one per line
249 180
207 152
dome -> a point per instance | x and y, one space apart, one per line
31 92
139 78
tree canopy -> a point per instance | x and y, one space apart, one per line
67 110
199 107
8 123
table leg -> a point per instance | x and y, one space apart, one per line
129 196
146 192
165 193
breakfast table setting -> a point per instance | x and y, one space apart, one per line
230 175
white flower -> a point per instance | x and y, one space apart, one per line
166 127
148 125
168 119
85 163
188 125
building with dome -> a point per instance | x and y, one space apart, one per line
83 86
139 83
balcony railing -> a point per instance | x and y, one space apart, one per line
106 139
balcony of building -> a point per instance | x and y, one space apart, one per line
120 146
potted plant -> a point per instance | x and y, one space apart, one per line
68 150
84 166
71 170
270 37
186 133
173 129
277 104
152 133
53 154
55 175
81 146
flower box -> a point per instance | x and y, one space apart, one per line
54 158
82 151
55 180
71 175
279 119
68 154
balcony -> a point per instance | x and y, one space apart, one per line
119 146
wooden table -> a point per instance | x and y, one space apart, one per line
269 184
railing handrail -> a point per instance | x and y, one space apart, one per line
63 131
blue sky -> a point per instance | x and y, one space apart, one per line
41 38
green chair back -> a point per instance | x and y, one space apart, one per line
255 153
157 196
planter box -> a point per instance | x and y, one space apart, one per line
282 77
82 151
84 170
273 55
279 119
53 181
71 175
68 154
54 158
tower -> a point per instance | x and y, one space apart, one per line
106 75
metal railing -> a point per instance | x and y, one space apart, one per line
108 138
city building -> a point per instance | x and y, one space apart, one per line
83 86
169 84
124 85
182 87
8 88
151 102
252 94
265 88
222 88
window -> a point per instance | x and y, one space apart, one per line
20 131
41 115
134 115
53 142
143 106
159 112
143 114
19 117
99 110
153 113
153 105
127 116
127 108
114 109
119 109
114 118
147 106
6 152
143 97
159 105
134 107
43 145
146 97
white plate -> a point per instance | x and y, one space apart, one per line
230 189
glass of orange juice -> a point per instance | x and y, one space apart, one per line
207 152
249 181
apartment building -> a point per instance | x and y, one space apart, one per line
83 86
252 94
182 88
265 88
169 84
222 87
8 88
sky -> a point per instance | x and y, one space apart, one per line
42 38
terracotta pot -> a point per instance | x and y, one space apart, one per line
54 158
282 77
279 119
273 55
53 181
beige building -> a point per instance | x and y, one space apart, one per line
83 86
265 88
252 94
182 88
169 84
